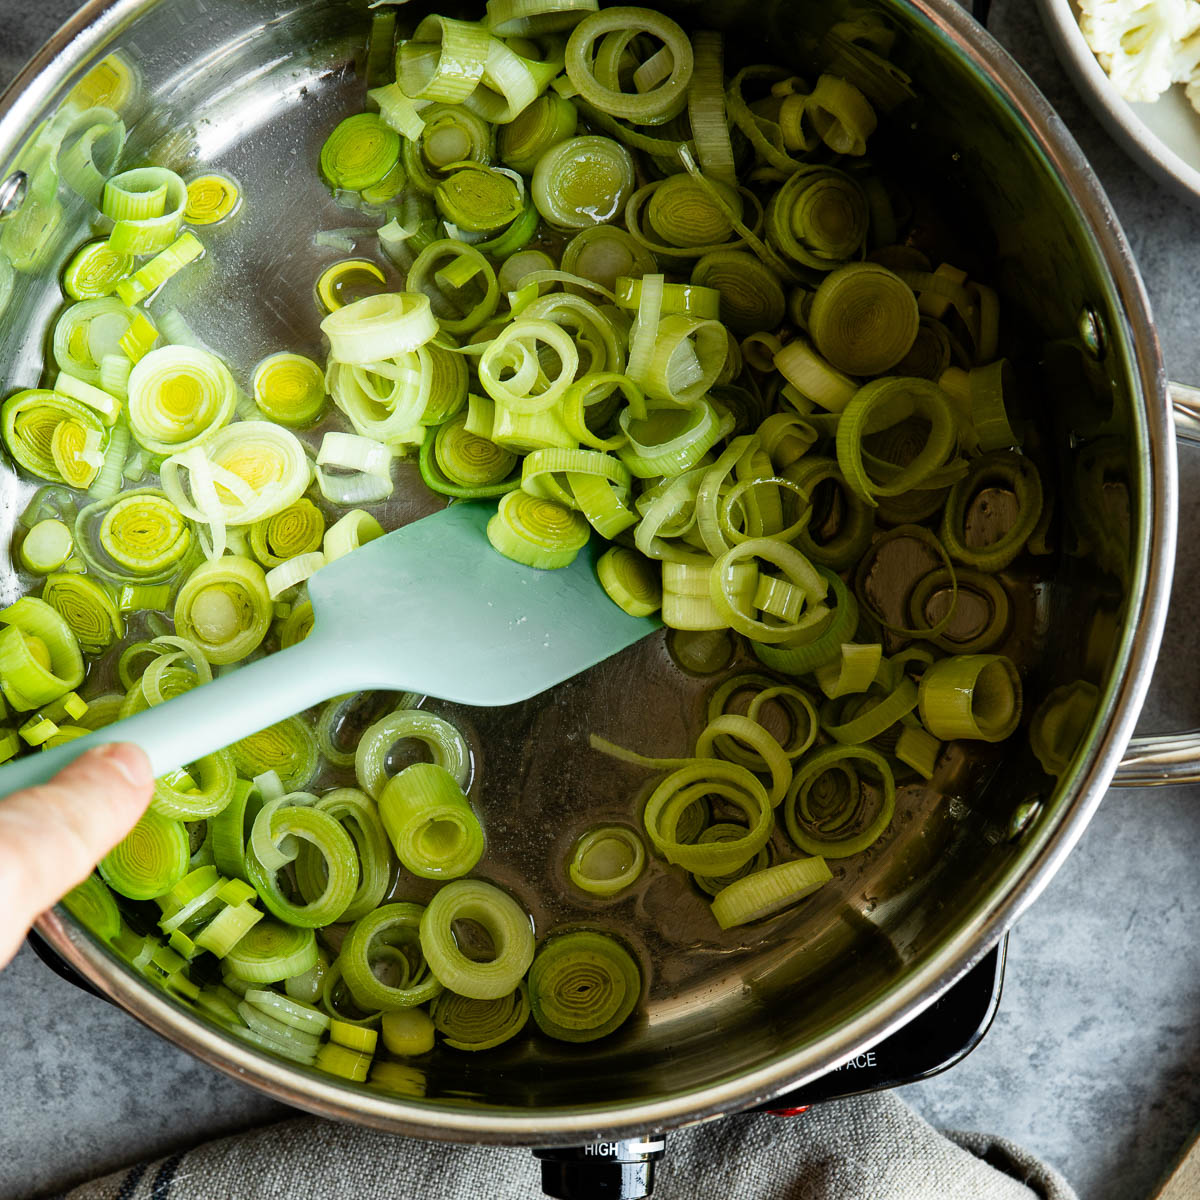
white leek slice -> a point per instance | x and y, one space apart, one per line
765 892
178 396
246 472
368 462
379 327
292 572
355 529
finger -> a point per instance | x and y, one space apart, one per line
52 836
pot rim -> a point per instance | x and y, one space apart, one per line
1010 894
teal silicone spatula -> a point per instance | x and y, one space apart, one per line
429 608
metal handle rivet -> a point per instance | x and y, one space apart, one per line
1023 817
1091 332
12 194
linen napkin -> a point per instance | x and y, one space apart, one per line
864 1148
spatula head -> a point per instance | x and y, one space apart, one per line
433 608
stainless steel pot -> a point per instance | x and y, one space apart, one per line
251 86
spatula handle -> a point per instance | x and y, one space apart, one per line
205 719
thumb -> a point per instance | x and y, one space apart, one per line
52 836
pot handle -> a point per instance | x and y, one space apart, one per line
1167 758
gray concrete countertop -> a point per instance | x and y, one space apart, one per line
1094 1059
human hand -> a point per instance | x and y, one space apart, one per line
52 836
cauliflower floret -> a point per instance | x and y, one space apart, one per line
1144 46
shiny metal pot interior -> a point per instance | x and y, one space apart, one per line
252 87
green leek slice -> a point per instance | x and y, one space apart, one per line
864 319
901 410
289 389
29 421
272 951
606 860
87 607
706 108
207 788
582 181
539 533
583 986
39 654
1060 724
379 327
652 107
764 893
1007 471
95 271
297 529
818 217
279 825
506 924
545 123
431 824
467 1024
382 961
444 60
446 745
288 749
146 206
725 831
93 906
827 812
46 546
149 861
976 696
359 152
178 396
211 198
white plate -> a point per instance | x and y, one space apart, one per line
1163 137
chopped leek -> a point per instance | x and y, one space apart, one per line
95 271
296 530
178 396
150 860
545 123
278 830
379 327
583 986
582 181
211 198
29 423
467 1024
46 546
444 60
446 746
539 533
606 860
506 924
712 343
272 951
971 696
433 829
864 319
286 749
146 206
359 152
826 810
382 960
765 892
289 389
224 607
39 654
87 607
1060 723
594 76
